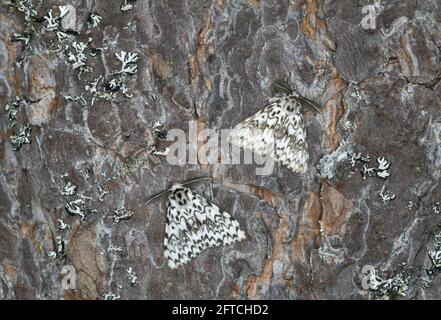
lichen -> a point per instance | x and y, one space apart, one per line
392 287
121 214
13 109
128 5
76 207
69 189
386 196
21 137
131 275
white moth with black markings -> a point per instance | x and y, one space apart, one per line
194 225
277 131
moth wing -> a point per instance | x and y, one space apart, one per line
194 225
222 229
257 133
181 242
276 133
291 147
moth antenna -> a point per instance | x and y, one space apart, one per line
310 103
156 196
274 118
197 180
195 225
282 87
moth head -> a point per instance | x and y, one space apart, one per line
284 88
175 186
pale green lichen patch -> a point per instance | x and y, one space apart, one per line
13 109
108 86
134 161
121 214
429 273
390 287
22 134
21 137
26 10
382 171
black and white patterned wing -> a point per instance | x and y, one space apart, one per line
194 225
257 132
291 147
278 131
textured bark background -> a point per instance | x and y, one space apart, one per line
213 62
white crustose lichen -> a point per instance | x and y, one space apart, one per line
386 289
385 195
12 109
62 225
159 153
21 137
368 172
53 21
69 189
61 247
127 5
132 276
437 208
358 157
77 57
383 166
121 214
381 171
158 131
128 62
76 207
102 193
114 249
94 19
111 296
106 87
